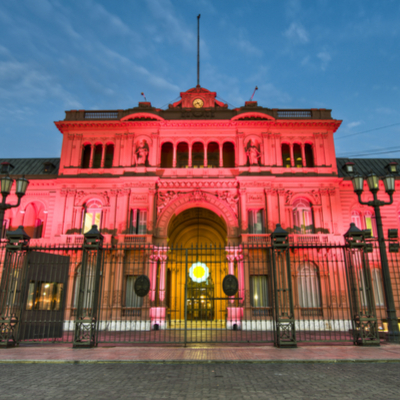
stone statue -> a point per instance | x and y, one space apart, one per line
252 153
141 153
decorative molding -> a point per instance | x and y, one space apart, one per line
198 184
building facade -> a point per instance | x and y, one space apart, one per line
197 174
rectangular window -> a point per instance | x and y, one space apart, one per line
259 291
38 229
47 297
138 222
378 288
131 299
91 218
256 221
370 223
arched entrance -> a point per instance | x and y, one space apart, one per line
196 266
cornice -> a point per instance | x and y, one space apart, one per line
66 126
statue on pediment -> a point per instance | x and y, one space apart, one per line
252 152
141 153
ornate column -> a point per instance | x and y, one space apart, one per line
163 274
240 156
153 276
243 210
291 155
103 155
303 155
221 159
155 150
150 214
174 156
76 156
92 148
239 258
205 157
277 149
117 150
190 155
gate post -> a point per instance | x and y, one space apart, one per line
285 329
12 287
362 304
87 314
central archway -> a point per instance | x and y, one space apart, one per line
197 238
196 227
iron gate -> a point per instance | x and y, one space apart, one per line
286 293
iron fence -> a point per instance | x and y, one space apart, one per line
286 294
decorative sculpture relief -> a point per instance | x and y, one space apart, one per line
252 152
230 199
141 153
164 198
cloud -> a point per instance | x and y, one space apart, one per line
353 124
246 46
174 30
297 33
23 82
325 58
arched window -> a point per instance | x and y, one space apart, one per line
286 162
308 152
302 217
34 217
87 148
109 159
98 153
197 155
91 215
88 289
213 155
167 155
309 287
228 155
356 219
182 155
298 160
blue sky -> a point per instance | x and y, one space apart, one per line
87 54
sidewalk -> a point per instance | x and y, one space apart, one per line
248 354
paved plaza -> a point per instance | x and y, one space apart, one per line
200 381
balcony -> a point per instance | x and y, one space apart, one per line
135 239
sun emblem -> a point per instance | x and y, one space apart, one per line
199 272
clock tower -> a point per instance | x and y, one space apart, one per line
198 98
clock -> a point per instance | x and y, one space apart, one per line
198 103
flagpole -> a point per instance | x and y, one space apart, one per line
198 50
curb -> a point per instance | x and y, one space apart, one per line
332 361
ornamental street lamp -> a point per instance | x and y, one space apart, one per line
6 184
373 185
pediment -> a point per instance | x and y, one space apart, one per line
142 116
252 115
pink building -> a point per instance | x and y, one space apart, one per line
196 173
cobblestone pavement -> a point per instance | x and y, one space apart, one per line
200 381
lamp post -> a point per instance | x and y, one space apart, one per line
373 185
6 184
